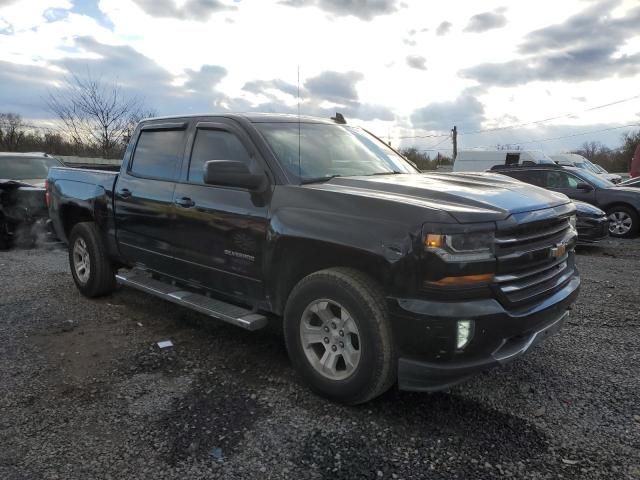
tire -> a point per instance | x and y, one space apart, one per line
619 218
364 363
98 278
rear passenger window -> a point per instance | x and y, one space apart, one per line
158 153
215 145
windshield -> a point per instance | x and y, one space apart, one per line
26 168
594 179
315 151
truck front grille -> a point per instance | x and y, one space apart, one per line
534 261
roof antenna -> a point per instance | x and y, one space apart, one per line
299 151
339 119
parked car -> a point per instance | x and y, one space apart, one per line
27 168
23 211
631 182
612 177
622 204
378 272
483 160
591 222
578 161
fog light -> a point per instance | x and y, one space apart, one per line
465 328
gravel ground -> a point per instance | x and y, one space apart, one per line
85 393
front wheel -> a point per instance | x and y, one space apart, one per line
623 221
338 335
90 266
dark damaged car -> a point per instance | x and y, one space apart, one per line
379 273
23 210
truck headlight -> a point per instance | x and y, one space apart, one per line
461 246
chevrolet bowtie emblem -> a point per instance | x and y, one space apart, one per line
559 250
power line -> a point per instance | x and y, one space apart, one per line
425 136
566 115
578 134
431 147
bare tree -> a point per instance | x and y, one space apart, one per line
11 131
589 150
95 112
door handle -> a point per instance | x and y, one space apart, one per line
124 193
185 202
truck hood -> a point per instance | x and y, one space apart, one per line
466 197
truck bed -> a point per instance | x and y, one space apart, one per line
82 189
104 179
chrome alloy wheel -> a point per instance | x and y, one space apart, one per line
330 339
620 223
81 260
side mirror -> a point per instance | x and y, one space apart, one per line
584 186
231 173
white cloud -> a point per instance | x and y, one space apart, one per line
264 42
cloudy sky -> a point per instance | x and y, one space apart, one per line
408 70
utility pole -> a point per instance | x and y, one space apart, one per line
454 138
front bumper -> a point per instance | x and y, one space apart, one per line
592 229
425 332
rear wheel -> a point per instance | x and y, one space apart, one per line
623 221
90 266
338 335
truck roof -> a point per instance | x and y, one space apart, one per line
253 117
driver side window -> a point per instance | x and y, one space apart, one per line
215 145
572 181
561 180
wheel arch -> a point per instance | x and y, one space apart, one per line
71 215
619 203
298 257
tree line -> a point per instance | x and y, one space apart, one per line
424 161
612 160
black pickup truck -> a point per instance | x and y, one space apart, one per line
379 273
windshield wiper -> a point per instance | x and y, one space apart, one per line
394 172
319 179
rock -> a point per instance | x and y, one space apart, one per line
539 412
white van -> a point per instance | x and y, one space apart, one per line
483 160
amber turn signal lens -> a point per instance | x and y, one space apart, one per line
464 280
434 240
